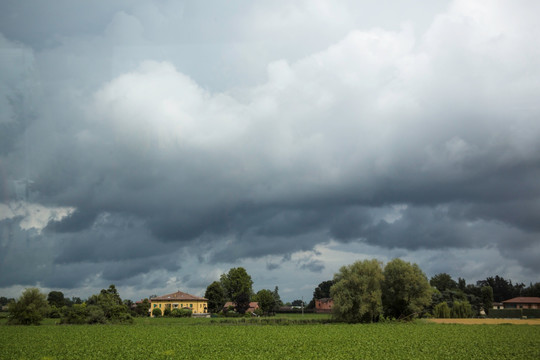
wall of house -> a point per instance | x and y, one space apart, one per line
196 306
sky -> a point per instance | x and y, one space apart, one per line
154 145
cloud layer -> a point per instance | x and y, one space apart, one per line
156 143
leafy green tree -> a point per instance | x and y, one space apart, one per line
29 309
441 311
142 308
443 282
487 298
56 298
461 310
406 291
237 285
277 299
357 292
322 290
266 301
216 297
297 302
3 301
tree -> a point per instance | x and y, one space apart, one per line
357 292
29 309
441 311
237 285
216 297
322 290
56 298
406 291
443 282
461 310
277 299
142 308
266 301
487 298
297 302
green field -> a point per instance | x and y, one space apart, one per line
203 339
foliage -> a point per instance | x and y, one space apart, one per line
297 302
29 309
461 310
357 292
216 297
167 312
107 306
443 282
441 311
514 313
142 308
277 299
406 291
237 285
487 298
56 298
266 301
180 313
322 290
54 312
156 312
502 289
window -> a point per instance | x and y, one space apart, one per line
190 305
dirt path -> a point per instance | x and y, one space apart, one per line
487 321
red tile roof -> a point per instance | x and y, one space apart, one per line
523 300
178 296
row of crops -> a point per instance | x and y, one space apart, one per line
333 341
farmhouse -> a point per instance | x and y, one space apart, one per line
252 306
179 300
522 303
324 305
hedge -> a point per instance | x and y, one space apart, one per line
514 313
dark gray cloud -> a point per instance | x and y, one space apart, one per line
160 137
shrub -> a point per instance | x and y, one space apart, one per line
95 315
156 312
461 309
29 309
441 311
54 312
74 315
167 312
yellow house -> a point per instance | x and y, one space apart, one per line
179 300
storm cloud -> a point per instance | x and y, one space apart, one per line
160 140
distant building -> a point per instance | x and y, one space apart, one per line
522 303
180 300
497 306
252 306
324 305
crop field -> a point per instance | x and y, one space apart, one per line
197 340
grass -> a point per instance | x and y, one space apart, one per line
167 338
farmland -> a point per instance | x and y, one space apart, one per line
180 339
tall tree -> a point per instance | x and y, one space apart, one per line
266 301
56 298
216 297
357 292
487 298
322 290
29 309
237 285
277 299
443 282
406 291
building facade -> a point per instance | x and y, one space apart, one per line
179 300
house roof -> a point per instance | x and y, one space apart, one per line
178 296
252 305
523 300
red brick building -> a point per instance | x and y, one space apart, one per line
324 305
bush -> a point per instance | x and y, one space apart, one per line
156 312
461 310
54 312
29 309
76 314
167 312
441 311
